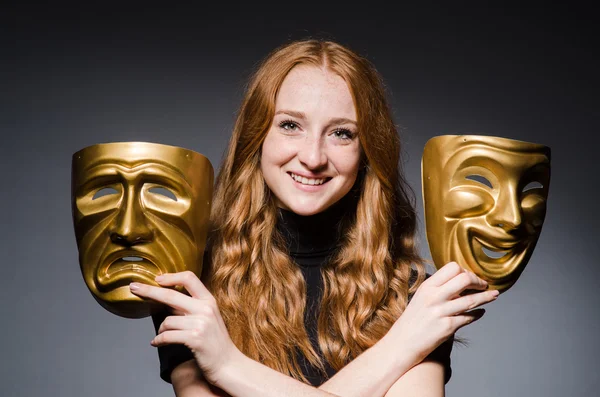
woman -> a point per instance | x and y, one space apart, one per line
309 269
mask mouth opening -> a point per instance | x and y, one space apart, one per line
493 253
131 263
132 258
496 259
125 267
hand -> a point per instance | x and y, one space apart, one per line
199 325
439 308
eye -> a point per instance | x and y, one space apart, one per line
288 125
532 185
163 192
343 134
107 191
481 179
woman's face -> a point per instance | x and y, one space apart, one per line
311 154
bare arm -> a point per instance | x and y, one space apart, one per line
370 374
374 371
188 381
436 311
424 380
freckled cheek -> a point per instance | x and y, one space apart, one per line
270 155
346 162
276 151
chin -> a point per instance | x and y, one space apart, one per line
306 209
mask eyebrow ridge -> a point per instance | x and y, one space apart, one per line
106 170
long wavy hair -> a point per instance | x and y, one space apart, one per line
261 293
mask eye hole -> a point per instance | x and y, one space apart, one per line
163 192
104 192
532 185
481 179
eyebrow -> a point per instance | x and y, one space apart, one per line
302 116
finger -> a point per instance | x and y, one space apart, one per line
461 282
176 300
467 318
445 273
177 323
465 303
468 291
171 311
188 280
173 337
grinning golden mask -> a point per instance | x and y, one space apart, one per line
139 210
485 203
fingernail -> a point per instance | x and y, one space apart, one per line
134 286
495 293
159 278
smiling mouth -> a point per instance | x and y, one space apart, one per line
496 258
309 181
493 252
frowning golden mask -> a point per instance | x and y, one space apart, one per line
139 210
485 203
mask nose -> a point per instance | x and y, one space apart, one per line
130 226
507 212
312 155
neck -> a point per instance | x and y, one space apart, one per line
315 234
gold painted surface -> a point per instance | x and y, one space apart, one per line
485 203
139 210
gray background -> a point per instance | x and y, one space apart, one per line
75 77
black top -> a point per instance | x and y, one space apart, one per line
311 243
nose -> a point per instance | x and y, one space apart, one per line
130 226
507 212
312 154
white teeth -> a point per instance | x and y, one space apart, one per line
306 181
